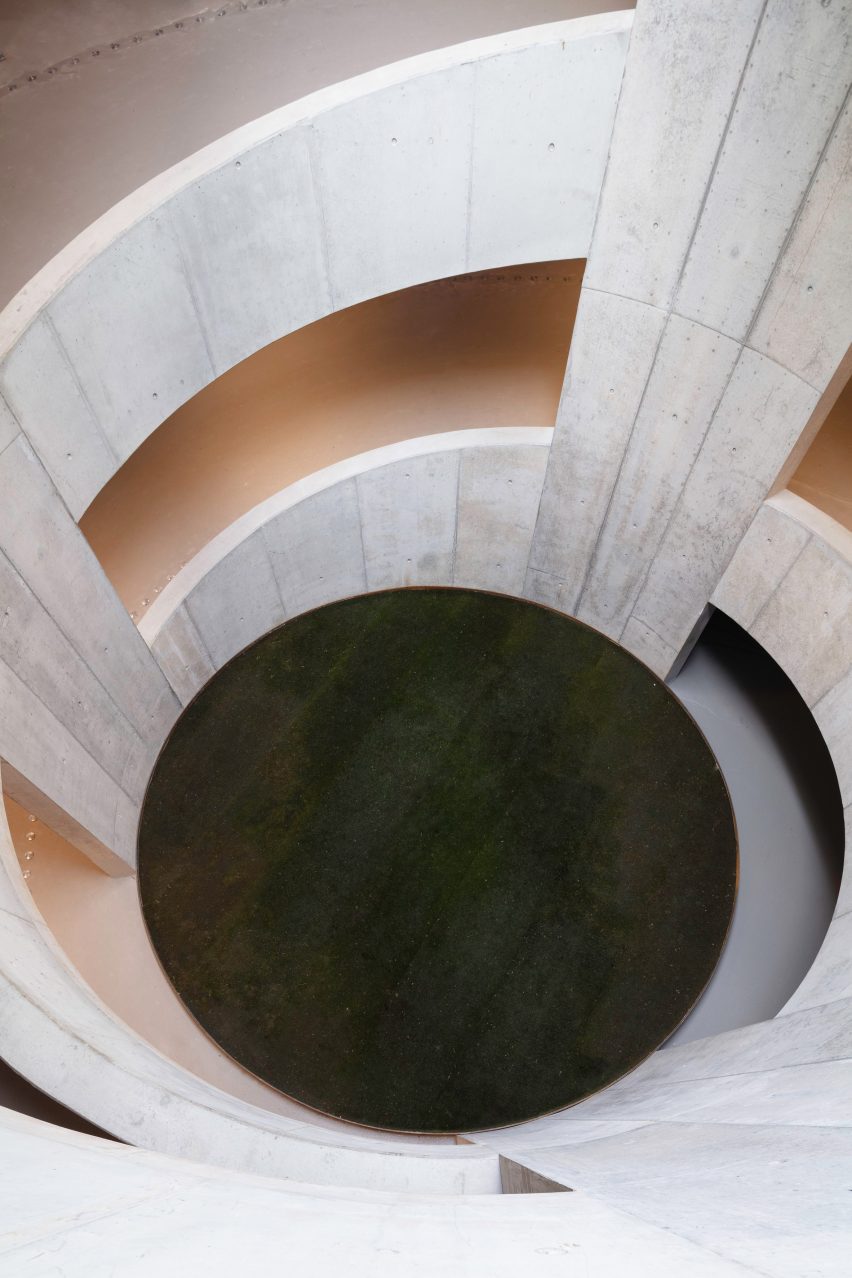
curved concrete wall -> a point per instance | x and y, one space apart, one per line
456 509
790 585
716 310
368 187
716 306
58 1034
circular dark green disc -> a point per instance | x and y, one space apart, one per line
437 860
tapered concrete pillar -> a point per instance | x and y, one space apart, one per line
714 310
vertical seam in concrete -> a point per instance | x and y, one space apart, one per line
267 553
14 416
460 456
86 751
593 556
722 393
471 151
315 169
361 531
55 620
792 227
829 691
51 711
719 149
67 361
762 609
680 498
198 638
13 440
198 635
176 238
605 178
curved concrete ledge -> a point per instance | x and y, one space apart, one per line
58 1034
790 585
397 177
363 188
457 508
451 509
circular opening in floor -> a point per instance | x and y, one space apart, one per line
437 860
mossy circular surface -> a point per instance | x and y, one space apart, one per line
437 860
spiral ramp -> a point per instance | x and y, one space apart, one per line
698 158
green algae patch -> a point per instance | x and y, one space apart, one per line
437 860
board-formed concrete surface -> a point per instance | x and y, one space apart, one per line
701 258
87 378
724 206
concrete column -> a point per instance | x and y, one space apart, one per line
719 233
85 706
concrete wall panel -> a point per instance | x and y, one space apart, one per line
805 322
182 656
316 549
792 90
667 435
594 421
543 149
681 76
129 327
52 761
251 236
33 646
833 713
63 574
807 623
39 383
9 427
499 495
237 601
758 420
763 558
393 170
408 521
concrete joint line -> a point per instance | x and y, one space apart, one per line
315 169
592 562
679 502
471 151
719 149
67 361
177 240
778 586
832 132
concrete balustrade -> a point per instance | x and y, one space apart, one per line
404 514
715 314
388 180
454 509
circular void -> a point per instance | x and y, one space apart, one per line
437 860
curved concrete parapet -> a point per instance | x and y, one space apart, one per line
447 509
397 177
59 1035
790 585
455 509
431 167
